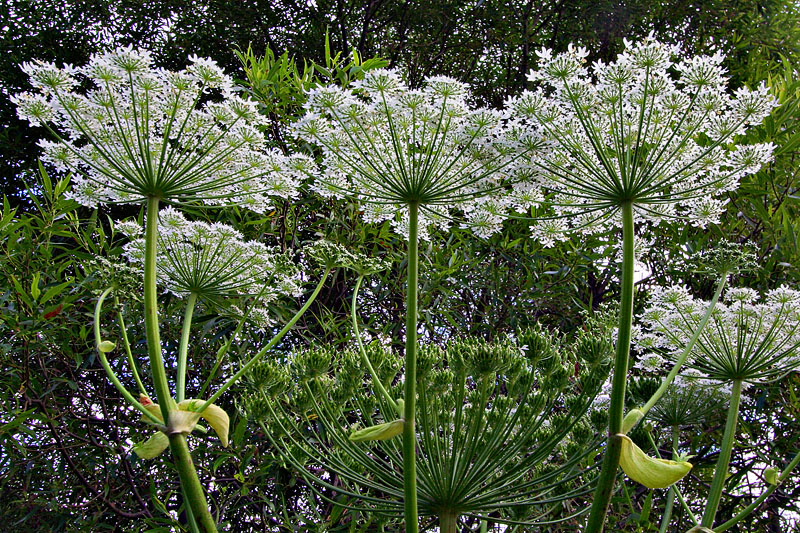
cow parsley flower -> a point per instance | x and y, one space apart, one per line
392 146
213 262
749 338
631 131
140 132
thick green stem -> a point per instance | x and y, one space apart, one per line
177 442
448 522
183 348
409 433
190 483
667 516
152 332
758 501
608 472
721 470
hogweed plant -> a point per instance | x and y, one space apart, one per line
415 157
749 340
644 136
502 426
144 135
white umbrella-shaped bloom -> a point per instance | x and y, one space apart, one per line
214 261
632 131
141 132
748 339
392 146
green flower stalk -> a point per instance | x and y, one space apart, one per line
630 141
490 419
417 158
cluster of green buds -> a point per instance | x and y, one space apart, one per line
489 416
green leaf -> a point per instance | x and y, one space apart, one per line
35 291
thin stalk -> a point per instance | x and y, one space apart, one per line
608 472
253 360
682 358
189 514
721 470
758 501
686 507
184 346
375 378
448 522
127 344
190 483
667 516
409 433
107 367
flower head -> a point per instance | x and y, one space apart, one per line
748 338
142 132
214 261
391 146
631 131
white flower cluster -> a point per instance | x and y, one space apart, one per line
631 131
214 262
391 146
745 339
141 132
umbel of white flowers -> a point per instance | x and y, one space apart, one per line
391 146
142 132
748 339
214 262
631 131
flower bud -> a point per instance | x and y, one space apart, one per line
384 431
771 475
106 346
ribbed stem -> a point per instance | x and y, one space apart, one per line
190 483
183 348
177 443
448 522
721 470
409 433
608 472
151 310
